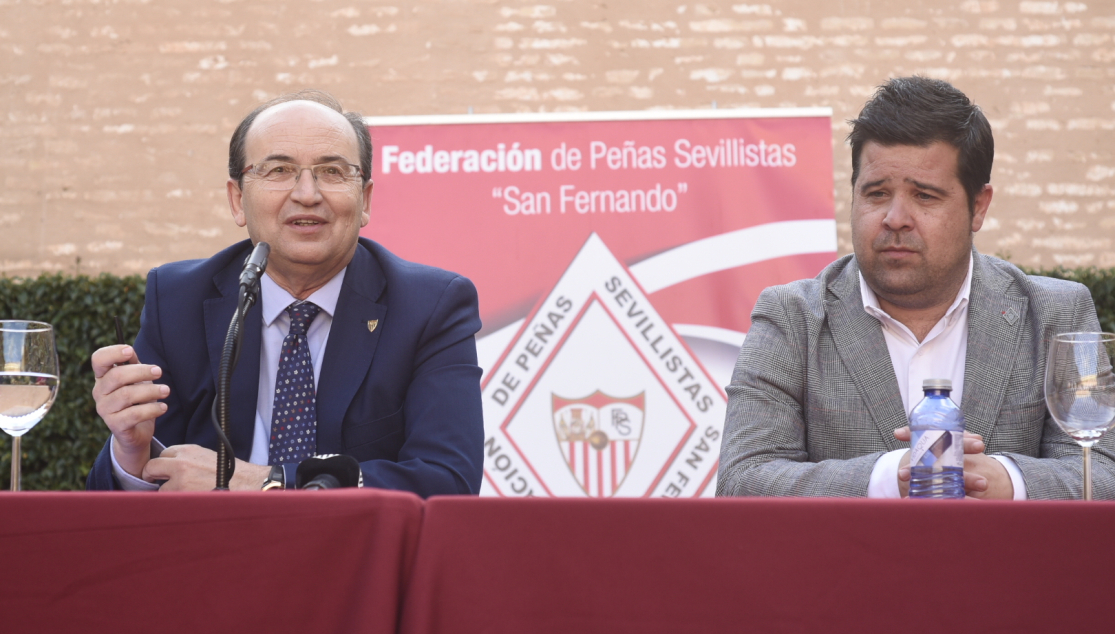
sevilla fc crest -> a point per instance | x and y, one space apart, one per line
599 438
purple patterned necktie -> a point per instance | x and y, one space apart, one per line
294 415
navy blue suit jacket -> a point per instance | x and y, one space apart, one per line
402 398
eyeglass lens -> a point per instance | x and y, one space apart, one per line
329 176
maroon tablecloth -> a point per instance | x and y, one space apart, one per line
205 562
751 565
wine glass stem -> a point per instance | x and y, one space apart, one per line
1087 473
15 463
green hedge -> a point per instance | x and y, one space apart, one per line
59 451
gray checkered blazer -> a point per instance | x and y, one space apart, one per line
814 400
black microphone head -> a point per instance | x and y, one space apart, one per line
256 262
254 267
345 470
258 256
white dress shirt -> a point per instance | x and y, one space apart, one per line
941 355
273 302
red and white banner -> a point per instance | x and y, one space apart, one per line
618 257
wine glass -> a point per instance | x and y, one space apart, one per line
1080 389
28 380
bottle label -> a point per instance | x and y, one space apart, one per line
937 448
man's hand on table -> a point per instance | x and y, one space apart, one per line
128 403
998 483
194 468
981 479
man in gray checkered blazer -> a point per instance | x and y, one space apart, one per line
821 392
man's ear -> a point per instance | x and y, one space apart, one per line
365 214
235 202
979 208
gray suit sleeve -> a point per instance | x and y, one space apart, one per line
765 448
1059 471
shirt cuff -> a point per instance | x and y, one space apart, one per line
127 481
884 477
1015 476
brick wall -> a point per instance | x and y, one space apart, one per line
115 114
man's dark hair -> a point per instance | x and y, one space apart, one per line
237 159
920 111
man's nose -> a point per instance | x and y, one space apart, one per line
899 215
305 186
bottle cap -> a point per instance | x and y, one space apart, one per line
936 384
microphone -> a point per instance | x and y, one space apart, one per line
328 471
254 267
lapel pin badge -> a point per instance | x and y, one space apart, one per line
372 323
1010 315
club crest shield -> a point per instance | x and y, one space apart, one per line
599 438
544 438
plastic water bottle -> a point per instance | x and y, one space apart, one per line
937 444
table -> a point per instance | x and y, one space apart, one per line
761 565
381 562
291 561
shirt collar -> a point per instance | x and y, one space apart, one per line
274 299
871 301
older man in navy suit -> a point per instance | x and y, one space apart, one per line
351 349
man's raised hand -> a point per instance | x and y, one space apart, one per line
128 403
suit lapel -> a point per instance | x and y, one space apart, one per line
861 346
351 345
995 323
245 377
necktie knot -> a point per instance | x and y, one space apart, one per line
301 314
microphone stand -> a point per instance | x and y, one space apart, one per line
230 356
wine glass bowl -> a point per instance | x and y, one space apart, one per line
28 380
24 401
1080 389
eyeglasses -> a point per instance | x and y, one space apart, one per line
281 176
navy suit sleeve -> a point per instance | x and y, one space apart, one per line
442 451
149 349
